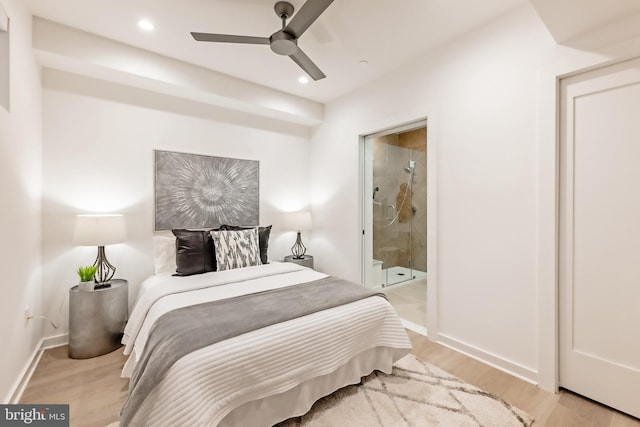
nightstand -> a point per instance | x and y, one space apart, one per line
97 319
306 260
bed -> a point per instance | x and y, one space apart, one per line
259 377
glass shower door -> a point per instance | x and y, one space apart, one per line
396 174
392 215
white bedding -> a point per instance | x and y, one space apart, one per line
227 382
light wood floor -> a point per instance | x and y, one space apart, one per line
95 391
410 300
92 387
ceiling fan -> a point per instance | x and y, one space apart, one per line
284 41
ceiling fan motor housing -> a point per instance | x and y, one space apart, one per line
283 43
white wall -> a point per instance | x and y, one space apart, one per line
98 157
481 92
20 189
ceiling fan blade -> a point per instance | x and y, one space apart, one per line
227 38
307 65
307 14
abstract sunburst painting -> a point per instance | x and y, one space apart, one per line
197 191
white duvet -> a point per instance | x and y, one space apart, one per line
251 379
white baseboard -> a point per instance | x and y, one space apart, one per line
15 394
54 341
512 368
414 327
25 375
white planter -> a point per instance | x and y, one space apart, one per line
86 286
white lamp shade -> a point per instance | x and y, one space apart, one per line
99 230
298 220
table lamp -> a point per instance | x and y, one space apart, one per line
100 230
298 221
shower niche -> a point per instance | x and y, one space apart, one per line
395 208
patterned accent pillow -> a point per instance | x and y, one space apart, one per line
236 248
263 239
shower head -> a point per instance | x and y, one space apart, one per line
411 167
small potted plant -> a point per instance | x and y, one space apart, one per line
87 275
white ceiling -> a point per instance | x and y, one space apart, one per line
386 33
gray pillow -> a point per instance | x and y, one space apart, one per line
194 252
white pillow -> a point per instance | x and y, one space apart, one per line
236 248
164 254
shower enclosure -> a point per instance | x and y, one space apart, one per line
395 209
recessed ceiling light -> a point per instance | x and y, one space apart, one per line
145 24
304 80
364 63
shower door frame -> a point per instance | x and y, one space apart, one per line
366 254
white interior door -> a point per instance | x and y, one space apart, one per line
599 224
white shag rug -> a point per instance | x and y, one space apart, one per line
416 394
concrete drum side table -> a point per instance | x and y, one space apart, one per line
97 319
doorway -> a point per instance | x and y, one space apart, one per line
395 217
599 231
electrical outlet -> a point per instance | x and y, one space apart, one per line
27 315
